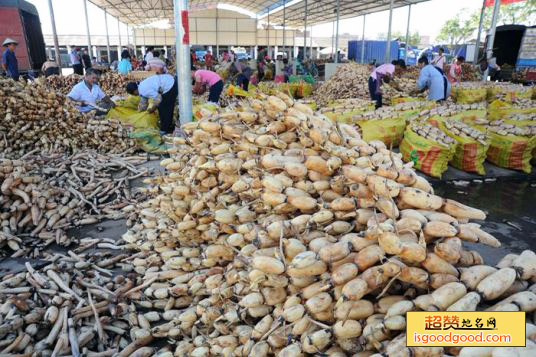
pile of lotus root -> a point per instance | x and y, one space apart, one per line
277 232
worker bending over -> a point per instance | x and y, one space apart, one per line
88 93
379 75
163 90
204 79
50 68
433 79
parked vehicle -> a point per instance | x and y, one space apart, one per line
374 50
19 20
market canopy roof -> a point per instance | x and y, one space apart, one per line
323 11
142 12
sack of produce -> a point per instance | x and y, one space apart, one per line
395 101
472 144
301 89
508 92
234 91
469 93
343 110
127 113
500 110
338 116
149 140
511 147
471 117
469 112
201 110
304 78
429 148
389 131
385 124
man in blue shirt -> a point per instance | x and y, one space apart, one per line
9 61
433 79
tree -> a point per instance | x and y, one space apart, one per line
457 30
461 29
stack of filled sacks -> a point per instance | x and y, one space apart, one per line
513 139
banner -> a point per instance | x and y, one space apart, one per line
490 3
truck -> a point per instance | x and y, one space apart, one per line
374 50
19 20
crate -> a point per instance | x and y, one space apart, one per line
140 75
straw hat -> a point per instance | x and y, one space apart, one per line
9 41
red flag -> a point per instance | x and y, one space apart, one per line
186 27
490 3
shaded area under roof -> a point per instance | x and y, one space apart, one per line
323 11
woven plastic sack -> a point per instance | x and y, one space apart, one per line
389 131
301 89
470 116
469 155
342 117
234 91
498 110
509 94
395 101
428 156
202 110
127 113
149 140
511 152
304 78
463 95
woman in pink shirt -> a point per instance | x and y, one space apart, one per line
455 72
212 80
381 74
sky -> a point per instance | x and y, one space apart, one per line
427 18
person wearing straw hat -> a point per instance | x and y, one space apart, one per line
9 60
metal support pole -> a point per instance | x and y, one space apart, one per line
387 58
407 35
87 30
333 40
135 42
491 38
256 38
182 42
311 44
218 36
107 36
305 34
268 34
337 33
128 36
480 24
363 41
54 33
119 34
285 28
